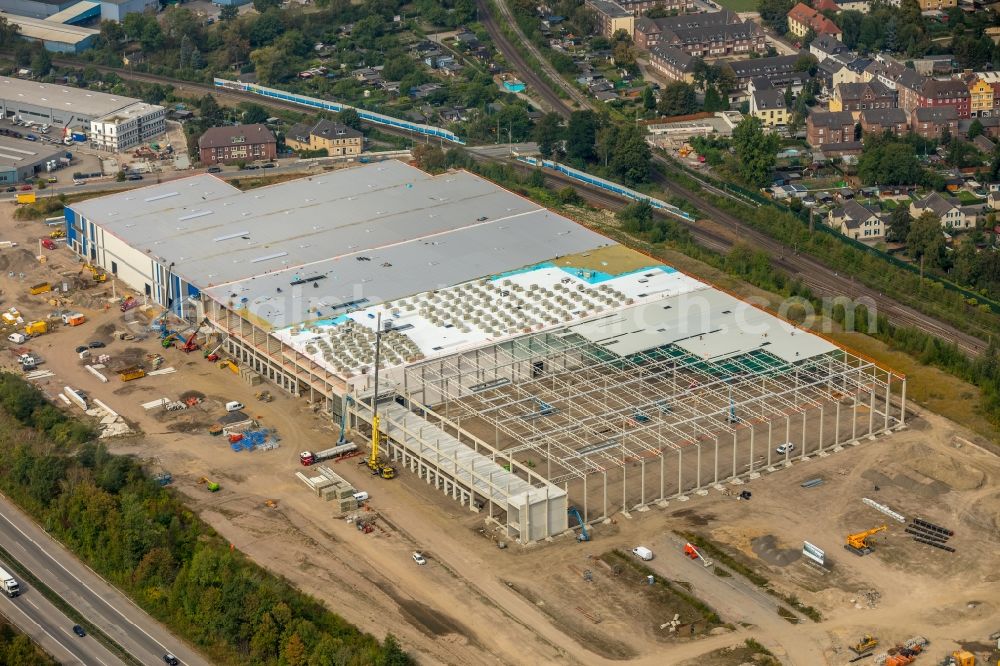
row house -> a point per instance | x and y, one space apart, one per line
827 46
648 31
672 63
930 122
894 75
638 7
779 70
239 143
768 104
856 97
878 121
737 39
830 127
803 18
978 97
937 93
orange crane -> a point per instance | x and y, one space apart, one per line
191 344
858 543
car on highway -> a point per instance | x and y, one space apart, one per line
419 559
79 631
171 659
785 448
95 344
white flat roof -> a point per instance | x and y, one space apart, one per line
80 101
73 11
708 323
50 31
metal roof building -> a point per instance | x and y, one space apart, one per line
55 36
21 160
529 361
57 105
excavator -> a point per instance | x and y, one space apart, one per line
99 275
858 543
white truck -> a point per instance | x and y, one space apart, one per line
309 458
9 584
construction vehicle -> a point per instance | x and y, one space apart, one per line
307 458
40 288
693 553
264 396
36 328
858 543
865 644
163 478
98 274
168 341
375 464
961 658
57 233
191 344
584 535
128 304
212 486
133 372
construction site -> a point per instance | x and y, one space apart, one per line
579 454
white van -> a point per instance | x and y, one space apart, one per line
361 496
234 406
642 553
16 338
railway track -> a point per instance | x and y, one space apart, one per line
821 279
517 61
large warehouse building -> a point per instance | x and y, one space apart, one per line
114 122
532 364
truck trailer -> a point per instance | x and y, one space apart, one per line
9 584
309 458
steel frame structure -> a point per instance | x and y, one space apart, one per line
581 410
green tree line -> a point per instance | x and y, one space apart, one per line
16 649
142 538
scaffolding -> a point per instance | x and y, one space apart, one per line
575 410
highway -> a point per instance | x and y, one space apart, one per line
47 626
99 602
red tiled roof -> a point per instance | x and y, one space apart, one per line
806 15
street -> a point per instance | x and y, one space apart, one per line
101 603
47 626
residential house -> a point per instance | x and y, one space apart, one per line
648 31
952 214
826 46
637 7
857 221
863 6
878 121
612 17
856 97
335 138
237 143
934 65
931 122
852 71
980 97
984 144
716 41
424 90
907 83
937 93
828 127
993 79
672 63
768 104
803 18
779 70
936 5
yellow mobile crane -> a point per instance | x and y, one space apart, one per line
858 543
374 463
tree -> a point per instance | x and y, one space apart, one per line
850 26
350 118
774 14
580 135
228 13
806 63
925 241
112 35
889 163
272 64
428 157
253 113
945 136
263 5
899 224
210 111
975 129
714 101
677 99
648 99
756 151
8 32
41 62
630 159
548 134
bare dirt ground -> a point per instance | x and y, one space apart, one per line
476 604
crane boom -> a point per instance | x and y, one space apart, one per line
858 543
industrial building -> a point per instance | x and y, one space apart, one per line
114 122
531 364
54 36
22 160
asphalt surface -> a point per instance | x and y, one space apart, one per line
47 626
98 601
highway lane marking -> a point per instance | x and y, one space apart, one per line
61 566
44 631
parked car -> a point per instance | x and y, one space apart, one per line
81 349
642 553
785 448
48 244
134 176
419 559
79 631
234 406
11 189
96 344
269 165
25 188
214 169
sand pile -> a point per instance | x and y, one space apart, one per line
766 548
